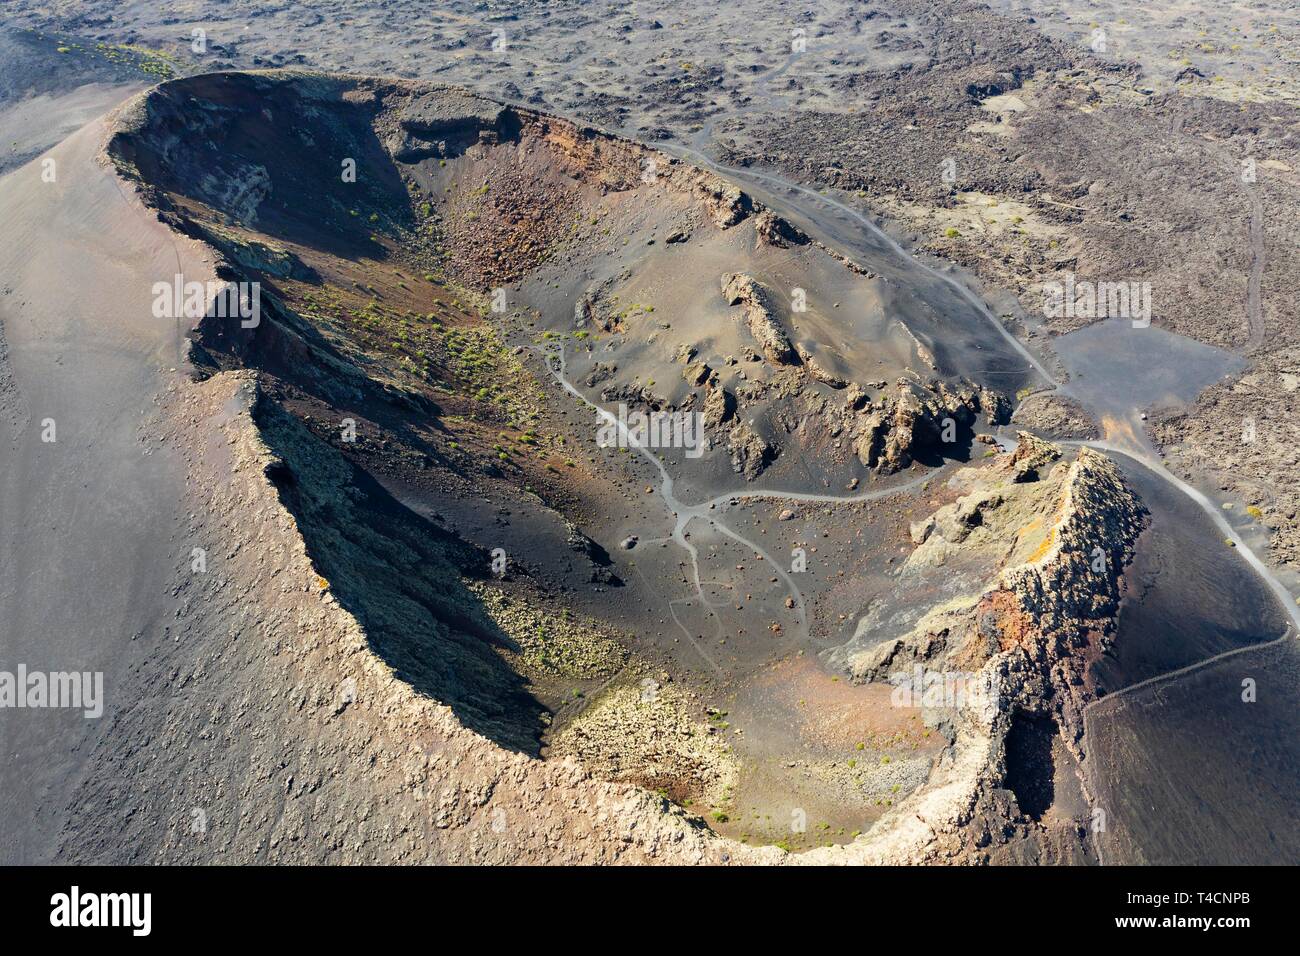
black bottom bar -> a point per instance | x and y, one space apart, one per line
340 906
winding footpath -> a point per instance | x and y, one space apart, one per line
683 514
1139 451
810 203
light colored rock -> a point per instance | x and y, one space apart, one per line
741 289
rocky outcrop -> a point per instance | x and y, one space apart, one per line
442 122
1033 457
1056 535
1071 588
719 407
697 373
771 230
445 110
741 289
259 256
1055 539
600 372
817 371
750 452
598 558
1055 417
888 435
633 395
726 204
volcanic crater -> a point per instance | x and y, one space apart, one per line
458 296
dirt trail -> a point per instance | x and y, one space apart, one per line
1254 304
900 255
684 514
1140 448
1153 464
